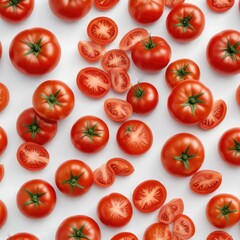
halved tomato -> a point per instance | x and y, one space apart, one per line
219 235
216 116
157 231
4 96
220 5
91 51
124 236
105 4
173 3
117 110
104 176
1 172
120 166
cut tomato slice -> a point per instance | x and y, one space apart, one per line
104 176
220 5
1 172
173 3
124 236
219 235
120 166
157 231
105 4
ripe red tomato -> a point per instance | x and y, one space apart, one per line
205 181
185 22
89 134
182 154
170 210
216 116
70 10
124 236
223 52
223 210
134 137
117 110
229 145
4 96
173 3
3 140
181 70
145 11
190 102
114 210
22 236
157 231
1 172
102 30
143 97
74 178
53 100
91 51
78 227
120 166
151 54
93 82
33 128
16 11
103 5
35 51
149 195
3 214
132 37
104 176
36 198
32 156
220 5
219 235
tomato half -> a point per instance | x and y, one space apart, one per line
173 3
74 178
120 166
93 82
3 140
114 210
4 96
157 231
104 176
35 51
1 172
117 110
223 210
220 5
124 236
105 4
102 30
219 235
32 156
23 236
3 214
134 137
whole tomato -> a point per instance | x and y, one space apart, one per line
3 140
22 236
35 51
3 214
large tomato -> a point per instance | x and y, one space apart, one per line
190 102
157 231
124 236
3 140
4 96
223 52
78 227
182 154
35 51
22 236
3 214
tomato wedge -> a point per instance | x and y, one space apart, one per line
173 3
219 235
105 4
1 172
104 176
4 96
157 231
120 166
220 5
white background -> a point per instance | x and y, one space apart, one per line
147 166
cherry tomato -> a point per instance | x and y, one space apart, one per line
93 82
173 3
4 96
3 140
223 210
124 236
3 214
89 134
120 166
35 51
157 231
219 235
1 172
220 5
36 198
32 156
53 100
114 210
134 137
104 176
103 5
23 236
102 30
74 178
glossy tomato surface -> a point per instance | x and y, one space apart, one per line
3 214
3 140
23 236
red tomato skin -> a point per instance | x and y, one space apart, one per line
187 225
173 3
157 231
216 6
121 166
3 214
105 4
23 236
124 236
45 61
2 172
219 235
4 96
3 141
70 10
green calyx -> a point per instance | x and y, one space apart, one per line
52 99
73 181
231 51
182 72
35 48
33 128
185 22
225 211
139 92
91 131
35 198
149 44
13 4
236 147
78 234
193 101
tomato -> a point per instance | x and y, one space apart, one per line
35 51
132 37
78 227
151 54
229 146
33 128
0 49
32 156
157 231
223 52
183 226
3 214
170 210
70 10
223 210
114 210
104 176
173 3
93 82
143 97
53 100
120 166
190 102
145 11
216 116
74 178
89 134
124 236
36 198
91 51
115 58
219 235
4 96
22 236
3 140
102 30
134 137
220 5
117 110
16 11
1 172
237 96
185 22
105 4
181 70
